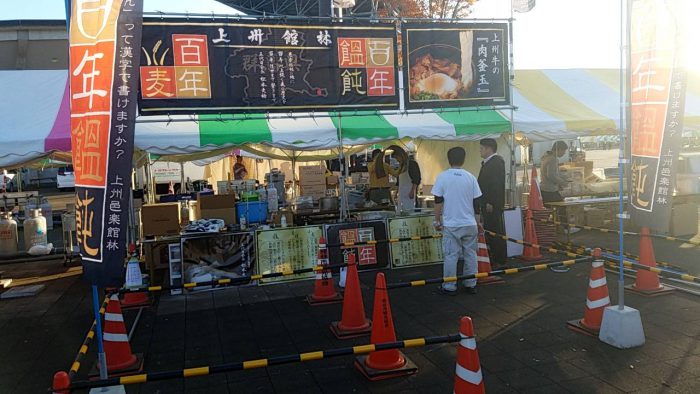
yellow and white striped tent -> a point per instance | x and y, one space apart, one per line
560 104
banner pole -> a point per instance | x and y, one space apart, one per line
101 356
624 35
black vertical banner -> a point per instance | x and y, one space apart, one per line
105 64
657 87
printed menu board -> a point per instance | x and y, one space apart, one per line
287 249
218 66
414 252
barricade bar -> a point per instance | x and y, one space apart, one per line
505 271
264 362
585 249
77 362
521 242
609 230
381 241
231 281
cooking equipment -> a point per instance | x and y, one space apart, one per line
328 203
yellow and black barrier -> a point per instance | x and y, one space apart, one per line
505 271
677 275
231 281
265 362
584 249
389 241
525 243
77 362
609 230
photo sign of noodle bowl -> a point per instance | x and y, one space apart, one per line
455 65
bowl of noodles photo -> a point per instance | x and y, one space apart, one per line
440 72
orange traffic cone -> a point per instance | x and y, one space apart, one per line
61 383
383 364
468 378
597 299
534 200
120 360
324 289
530 253
484 262
647 282
354 323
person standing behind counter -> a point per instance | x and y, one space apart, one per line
379 171
492 181
456 192
552 181
409 180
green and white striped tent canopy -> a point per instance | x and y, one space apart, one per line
317 132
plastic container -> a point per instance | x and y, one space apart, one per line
47 212
252 211
8 234
35 230
272 199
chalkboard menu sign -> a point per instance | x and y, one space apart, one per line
219 66
368 256
414 252
287 249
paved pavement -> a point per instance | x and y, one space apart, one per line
523 342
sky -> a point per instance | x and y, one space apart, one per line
555 34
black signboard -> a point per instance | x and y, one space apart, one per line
455 65
208 257
367 256
222 66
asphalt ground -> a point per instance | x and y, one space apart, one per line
520 326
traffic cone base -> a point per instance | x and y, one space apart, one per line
408 368
137 367
346 333
135 300
661 290
578 326
338 298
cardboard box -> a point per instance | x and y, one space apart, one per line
314 191
312 175
160 219
332 180
218 207
684 220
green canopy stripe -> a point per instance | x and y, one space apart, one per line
470 122
367 126
232 130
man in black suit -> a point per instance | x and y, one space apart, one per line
492 181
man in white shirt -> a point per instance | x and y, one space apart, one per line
455 190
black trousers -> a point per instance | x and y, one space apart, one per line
497 246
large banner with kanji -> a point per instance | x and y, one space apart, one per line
219 66
105 42
657 97
455 65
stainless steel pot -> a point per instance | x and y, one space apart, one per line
328 203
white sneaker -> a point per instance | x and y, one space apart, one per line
571 230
